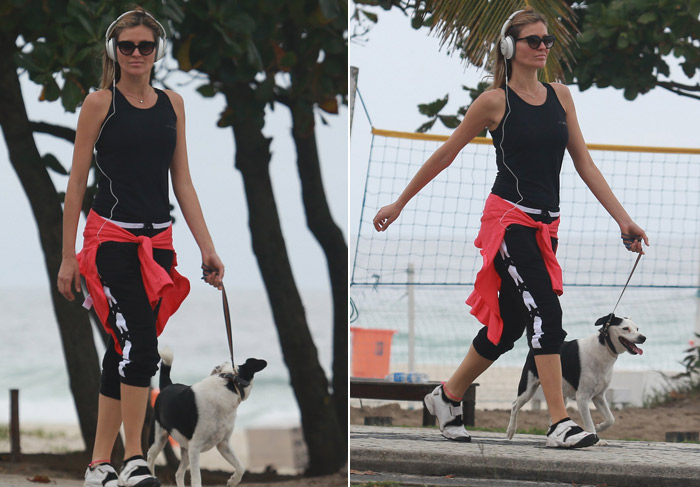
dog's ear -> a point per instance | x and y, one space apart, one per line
250 367
602 321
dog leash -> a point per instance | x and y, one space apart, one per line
227 314
612 315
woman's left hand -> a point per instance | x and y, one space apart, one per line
632 236
212 269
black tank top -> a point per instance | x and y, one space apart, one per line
134 152
534 144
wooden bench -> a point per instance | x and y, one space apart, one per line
408 391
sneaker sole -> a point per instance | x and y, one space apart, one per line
459 439
152 482
586 441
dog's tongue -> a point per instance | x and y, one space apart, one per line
637 349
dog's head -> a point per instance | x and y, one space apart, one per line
620 333
239 379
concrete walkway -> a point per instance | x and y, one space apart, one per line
423 451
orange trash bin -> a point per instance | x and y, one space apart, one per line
371 352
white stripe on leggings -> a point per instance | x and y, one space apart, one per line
527 298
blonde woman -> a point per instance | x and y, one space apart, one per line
517 290
137 133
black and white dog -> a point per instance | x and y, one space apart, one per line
587 365
201 416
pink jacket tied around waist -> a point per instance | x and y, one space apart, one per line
498 214
172 288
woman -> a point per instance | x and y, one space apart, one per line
138 135
531 124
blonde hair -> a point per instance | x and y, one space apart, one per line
110 69
497 62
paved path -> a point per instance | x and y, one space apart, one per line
423 451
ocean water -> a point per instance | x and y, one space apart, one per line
444 328
31 355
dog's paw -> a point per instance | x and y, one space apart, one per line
601 443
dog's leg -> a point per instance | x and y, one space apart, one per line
160 438
225 449
195 475
182 468
585 410
519 402
602 404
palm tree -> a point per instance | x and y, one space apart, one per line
474 26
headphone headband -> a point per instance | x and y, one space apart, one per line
110 44
507 44
506 24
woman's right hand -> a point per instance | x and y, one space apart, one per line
386 216
69 277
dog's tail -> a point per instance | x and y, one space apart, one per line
167 355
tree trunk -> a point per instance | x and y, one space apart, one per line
330 237
322 432
73 322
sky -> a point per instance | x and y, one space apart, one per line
400 67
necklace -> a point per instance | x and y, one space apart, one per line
537 90
136 97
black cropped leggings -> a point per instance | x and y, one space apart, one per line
130 316
526 300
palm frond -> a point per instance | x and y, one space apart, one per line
474 26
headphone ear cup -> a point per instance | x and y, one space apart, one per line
110 49
507 47
160 49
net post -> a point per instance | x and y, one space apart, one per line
411 318
354 71
15 451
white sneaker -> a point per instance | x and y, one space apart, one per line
102 475
448 415
567 434
135 473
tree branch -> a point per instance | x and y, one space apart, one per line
65 133
680 86
674 89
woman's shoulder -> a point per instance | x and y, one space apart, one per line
561 89
98 98
175 98
97 103
563 94
492 97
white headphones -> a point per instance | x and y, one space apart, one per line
507 44
111 44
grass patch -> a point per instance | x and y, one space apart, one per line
4 432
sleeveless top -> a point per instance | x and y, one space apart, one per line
134 151
534 143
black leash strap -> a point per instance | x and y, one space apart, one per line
639 256
227 319
227 314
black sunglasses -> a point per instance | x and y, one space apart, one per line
144 47
534 41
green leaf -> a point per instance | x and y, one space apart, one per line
449 121
51 90
71 95
426 126
207 90
622 41
646 18
432 109
370 15
50 161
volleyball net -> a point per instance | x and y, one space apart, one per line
421 269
